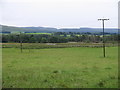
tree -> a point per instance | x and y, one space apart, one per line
43 40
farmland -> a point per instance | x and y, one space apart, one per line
55 45
76 67
40 33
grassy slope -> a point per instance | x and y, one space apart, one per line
61 67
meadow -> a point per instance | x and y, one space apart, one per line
55 45
40 33
76 67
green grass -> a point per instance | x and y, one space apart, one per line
0 67
56 45
60 68
39 33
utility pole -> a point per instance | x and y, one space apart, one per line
103 35
21 42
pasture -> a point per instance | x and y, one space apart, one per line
77 67
40 33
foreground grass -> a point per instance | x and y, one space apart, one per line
60 68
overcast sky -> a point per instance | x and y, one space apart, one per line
59 13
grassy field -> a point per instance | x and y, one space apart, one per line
78 67
40 33
55 45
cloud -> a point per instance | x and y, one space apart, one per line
57 13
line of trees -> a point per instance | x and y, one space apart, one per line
56 38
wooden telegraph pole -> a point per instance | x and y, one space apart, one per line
21 42
103 35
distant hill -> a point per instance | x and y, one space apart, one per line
91 30
26 29
12 29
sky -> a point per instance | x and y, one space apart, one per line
59 13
